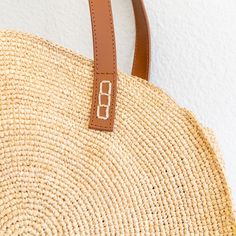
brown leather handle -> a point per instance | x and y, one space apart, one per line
105 67
105 62
141 65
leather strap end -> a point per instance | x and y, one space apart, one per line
103 102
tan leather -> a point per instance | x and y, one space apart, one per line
105 62
105 68
141 64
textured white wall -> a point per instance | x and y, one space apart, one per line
193 51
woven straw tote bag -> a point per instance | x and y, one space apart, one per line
87 150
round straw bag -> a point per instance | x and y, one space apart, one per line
87 150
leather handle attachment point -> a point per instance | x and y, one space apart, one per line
105 66
105 62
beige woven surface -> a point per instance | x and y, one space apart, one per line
156 174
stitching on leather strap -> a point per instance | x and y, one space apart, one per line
111 76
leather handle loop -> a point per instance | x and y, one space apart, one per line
105 61
105 67
141 64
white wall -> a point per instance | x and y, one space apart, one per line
194 51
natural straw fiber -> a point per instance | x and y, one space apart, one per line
158 173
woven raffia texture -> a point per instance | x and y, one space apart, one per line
156 174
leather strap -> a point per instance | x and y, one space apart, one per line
141 65
105 65
105 68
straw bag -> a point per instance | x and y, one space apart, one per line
87 150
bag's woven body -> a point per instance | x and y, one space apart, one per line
156 174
